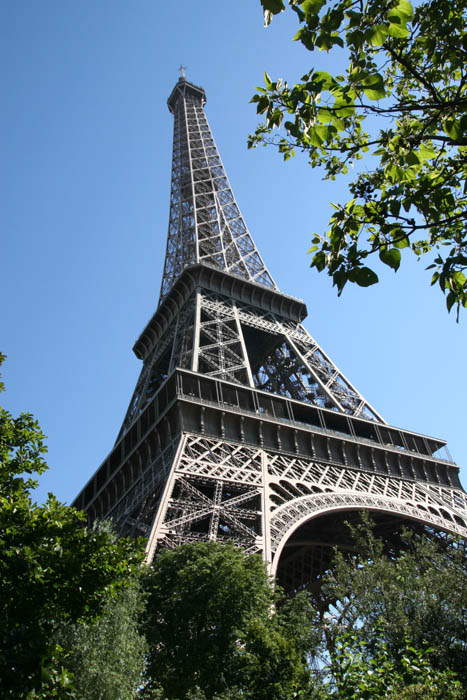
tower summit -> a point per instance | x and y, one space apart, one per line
205 223
240 427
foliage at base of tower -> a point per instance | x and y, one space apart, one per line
399 100
211 625
368 671
53 570
106 657
410 591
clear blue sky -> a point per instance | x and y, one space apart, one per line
86 150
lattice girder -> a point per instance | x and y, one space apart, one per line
214 480
205 223
238 342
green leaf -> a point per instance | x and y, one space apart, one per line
403 10
325 41
412 158
267 80
377 35
355 38
354 18
365 277
299 34
317 135
402 243
344 106
274 6
427 152
450 300
263 104
275 119
453 129
293 129
459 278
340 278
391 257
319 261
322 80
397 30
373 86
312 7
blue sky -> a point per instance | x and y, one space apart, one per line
86 143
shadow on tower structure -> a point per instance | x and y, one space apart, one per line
240 427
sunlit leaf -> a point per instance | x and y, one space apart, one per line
373 86
403 9
377 35
398 31
312 7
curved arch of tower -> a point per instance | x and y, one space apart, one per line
240 426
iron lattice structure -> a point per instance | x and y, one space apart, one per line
240 426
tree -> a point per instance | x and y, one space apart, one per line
390 601
378 676
210 624
394 629
106 656
400 101
53 570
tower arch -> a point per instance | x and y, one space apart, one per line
318 525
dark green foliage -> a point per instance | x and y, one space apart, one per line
357 674
106 656
400 102
53 570
396 630
211 624
395 603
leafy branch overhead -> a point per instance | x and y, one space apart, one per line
400 102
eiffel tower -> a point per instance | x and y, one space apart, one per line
240 427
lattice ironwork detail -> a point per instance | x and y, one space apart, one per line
301 489
221 347
141 500
213 493
205 223
174 350
293 364
215 482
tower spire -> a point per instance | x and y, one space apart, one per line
205 222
